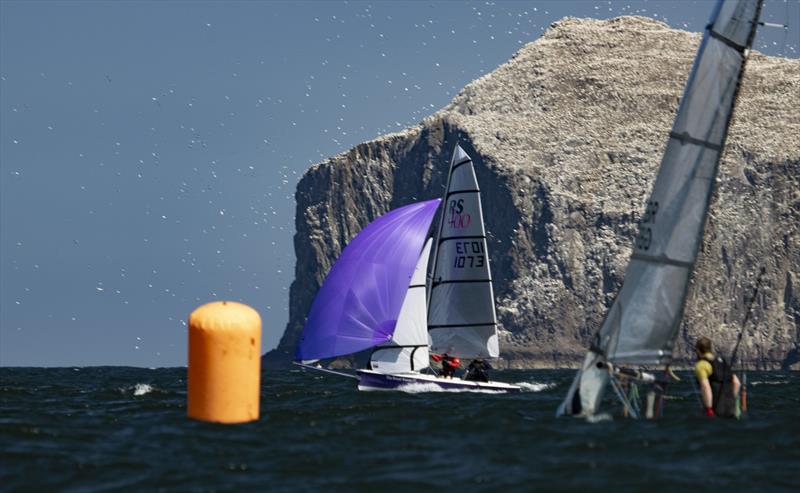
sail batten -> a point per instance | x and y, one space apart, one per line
663 259
461 314
685 138
714 34
642 324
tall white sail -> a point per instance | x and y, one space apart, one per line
408 349
642 325
461 316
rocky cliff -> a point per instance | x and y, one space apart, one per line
566 138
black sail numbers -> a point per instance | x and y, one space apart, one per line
645 235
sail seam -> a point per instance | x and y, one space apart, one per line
399 346
474 237
465 161
463 191
459 281
430 327
714 34
685 138
661 260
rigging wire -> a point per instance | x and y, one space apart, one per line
621 396
739 338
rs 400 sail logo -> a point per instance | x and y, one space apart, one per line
458 218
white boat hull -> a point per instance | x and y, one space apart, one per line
372 380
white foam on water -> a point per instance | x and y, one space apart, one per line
535 386
142 389
418 388
599 418
774 382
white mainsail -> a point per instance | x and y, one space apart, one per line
461 314
641 326
408 349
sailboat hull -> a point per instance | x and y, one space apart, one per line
371 380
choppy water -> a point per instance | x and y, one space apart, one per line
124 429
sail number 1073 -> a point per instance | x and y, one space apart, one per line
469 254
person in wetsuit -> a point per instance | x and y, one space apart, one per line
719 387
449 364
477 371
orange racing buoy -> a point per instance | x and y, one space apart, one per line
224 363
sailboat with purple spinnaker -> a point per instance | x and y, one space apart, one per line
379 296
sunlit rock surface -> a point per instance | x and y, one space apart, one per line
566 138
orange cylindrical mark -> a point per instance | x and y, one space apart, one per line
224 363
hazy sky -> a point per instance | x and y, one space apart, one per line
149 151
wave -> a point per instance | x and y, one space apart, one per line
599 418
138 390
419 388
142 389
535 386
773 382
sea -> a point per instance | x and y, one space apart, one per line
119 429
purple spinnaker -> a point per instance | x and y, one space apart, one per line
357 306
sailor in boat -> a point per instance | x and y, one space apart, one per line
477 371
449 364
719 387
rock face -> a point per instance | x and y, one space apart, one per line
566 138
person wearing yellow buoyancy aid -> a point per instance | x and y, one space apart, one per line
719 387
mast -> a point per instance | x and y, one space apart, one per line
435 252
642 324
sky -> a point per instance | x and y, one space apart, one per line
149 151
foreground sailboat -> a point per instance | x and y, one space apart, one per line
642 325
378 295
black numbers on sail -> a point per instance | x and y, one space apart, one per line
469 254
645 235
643 238
462 261
650 212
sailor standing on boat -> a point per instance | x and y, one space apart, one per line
719 387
